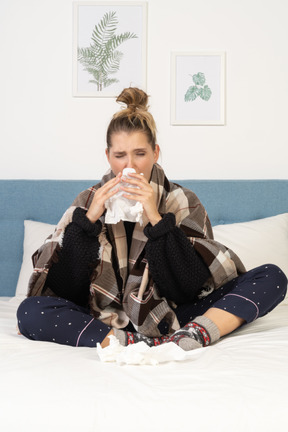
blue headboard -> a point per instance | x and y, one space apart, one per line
226 201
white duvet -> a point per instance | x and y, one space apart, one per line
238 384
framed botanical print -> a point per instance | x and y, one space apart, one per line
109 47
198 88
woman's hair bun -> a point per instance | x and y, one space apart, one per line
134 98
135 117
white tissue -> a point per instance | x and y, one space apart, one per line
142 354
120 208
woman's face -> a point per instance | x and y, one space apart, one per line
132 151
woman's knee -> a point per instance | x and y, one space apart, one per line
276 274
274 280
269 271
27 306
33 311
27 314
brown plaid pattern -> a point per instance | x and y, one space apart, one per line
122 289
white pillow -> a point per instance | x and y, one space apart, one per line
262 241
34 235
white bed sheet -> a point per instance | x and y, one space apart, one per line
238 384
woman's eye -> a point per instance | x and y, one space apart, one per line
140 154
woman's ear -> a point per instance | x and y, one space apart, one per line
107 153
156 153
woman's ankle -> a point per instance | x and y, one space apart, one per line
106 340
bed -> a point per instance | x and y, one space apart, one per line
238 384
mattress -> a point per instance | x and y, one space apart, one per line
238 384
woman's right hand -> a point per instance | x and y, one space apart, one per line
102 194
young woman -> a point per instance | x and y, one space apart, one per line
164 281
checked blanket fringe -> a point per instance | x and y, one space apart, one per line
122 288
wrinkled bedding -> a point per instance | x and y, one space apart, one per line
238 384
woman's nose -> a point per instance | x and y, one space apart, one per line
130 162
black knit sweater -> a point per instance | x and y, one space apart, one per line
176 268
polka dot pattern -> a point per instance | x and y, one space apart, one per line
249 296
53 319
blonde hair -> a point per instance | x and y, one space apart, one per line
134 118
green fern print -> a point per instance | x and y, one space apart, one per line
199 89
102 59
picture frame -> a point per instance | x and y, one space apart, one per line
198 88
109 47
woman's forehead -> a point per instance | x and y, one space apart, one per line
124 141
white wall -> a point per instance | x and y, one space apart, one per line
46 133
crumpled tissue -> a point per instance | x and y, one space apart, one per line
142 354
120 208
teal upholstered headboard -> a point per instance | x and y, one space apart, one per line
226 201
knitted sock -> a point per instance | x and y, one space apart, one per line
195 334
127 338
198 333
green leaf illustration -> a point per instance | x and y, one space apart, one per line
194 91
102 58
205 93
191 94
199 79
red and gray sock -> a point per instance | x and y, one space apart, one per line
127 338
200 332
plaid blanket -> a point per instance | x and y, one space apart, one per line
122 288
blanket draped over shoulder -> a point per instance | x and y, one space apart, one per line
133 297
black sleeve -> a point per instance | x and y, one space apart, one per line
69 277
178 271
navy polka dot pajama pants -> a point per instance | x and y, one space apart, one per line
249 296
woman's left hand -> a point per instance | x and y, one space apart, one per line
144 194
